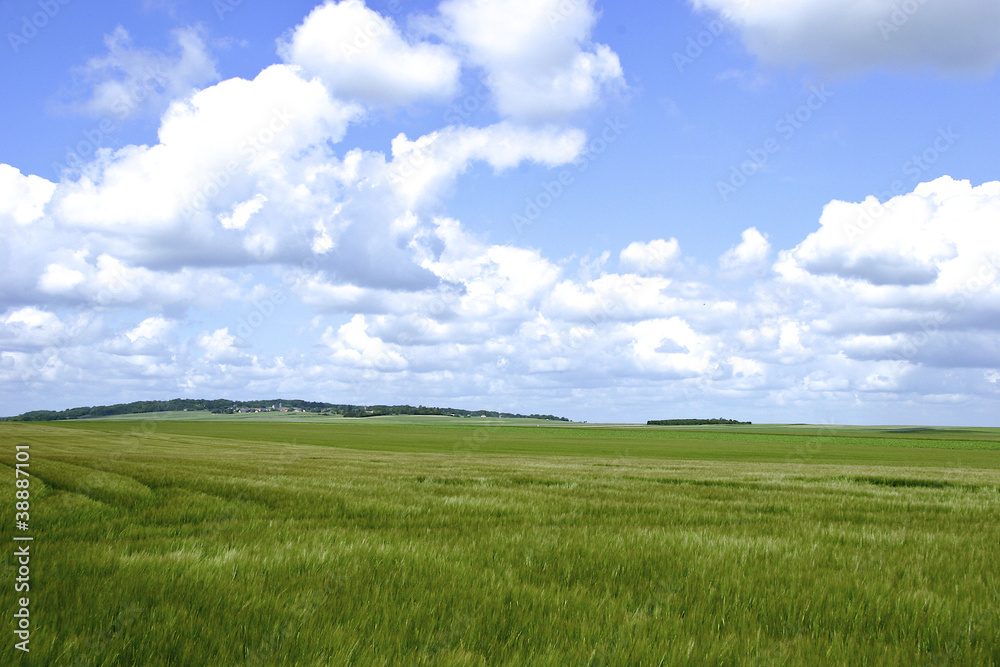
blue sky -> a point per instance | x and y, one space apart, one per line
777 211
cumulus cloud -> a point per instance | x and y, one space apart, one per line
361 55
749 257
36 330
22 198
249 172
937 234
537 55
499 318
244 173
956 36
914 281
219 347
213 148
108 281
151 329
32 326
421 168
657 256
352 345
59 279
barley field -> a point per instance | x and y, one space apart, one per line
455 542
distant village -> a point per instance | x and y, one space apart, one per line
242 410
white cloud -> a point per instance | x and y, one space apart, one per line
32 318
749 258
536 54
128 80
352 345
670 347
422 168
218 346
244 174
361 55
151 328
225 143
32 328
242 212
59 279
937 235
913 282
657 256
22 198
954 36
107 281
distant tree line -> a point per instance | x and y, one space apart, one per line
692 422
225 406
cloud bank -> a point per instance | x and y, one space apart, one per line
960 36
252 250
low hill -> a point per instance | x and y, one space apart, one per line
226 406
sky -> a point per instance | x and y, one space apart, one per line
781 211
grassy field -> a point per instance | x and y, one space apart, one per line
235 542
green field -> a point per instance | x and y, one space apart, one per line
430 541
